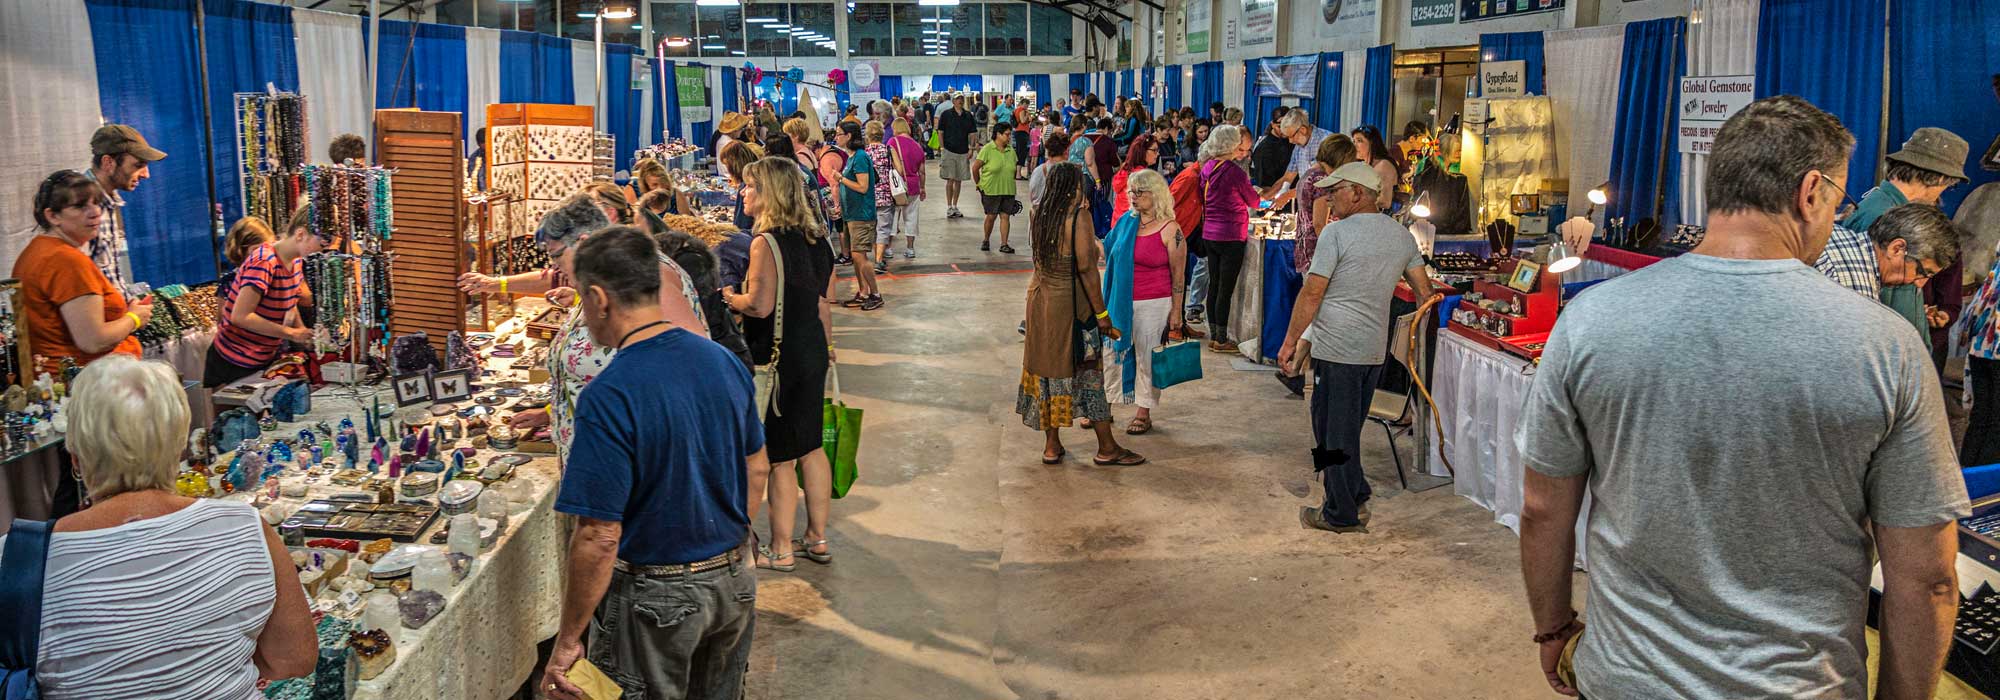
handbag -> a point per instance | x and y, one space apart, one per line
899 190
27 558
765 376
840 436
1176 362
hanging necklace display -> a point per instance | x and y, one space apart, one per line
271 150
351 210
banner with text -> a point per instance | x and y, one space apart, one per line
1503 78
1291 76
1475 10
1342 19
864 81
1707 101
1260 22
1195 14
691 88
1428 12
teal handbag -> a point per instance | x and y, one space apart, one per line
1176 362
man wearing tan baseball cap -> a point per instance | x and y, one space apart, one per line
119 160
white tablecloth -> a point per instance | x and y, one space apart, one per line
1480 392
1246 308
188 353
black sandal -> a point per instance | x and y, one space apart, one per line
1125 458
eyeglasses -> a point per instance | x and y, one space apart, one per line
1847 201
1917 268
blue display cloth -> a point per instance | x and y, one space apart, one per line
1282 282
666 102
1207 86
1981 482
890 85
1077 81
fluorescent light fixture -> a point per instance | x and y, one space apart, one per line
930 31
761 20
637 27
713 47
937 3
717 3
780 25
678 42
736 53
586 15
620 12
800 32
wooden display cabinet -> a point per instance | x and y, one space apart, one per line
426 151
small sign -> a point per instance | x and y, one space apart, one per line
1698 137
642 73
1475 10
1706 101
1429 12
1503 78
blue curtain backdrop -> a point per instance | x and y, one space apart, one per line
1255 108
1377 86
1038 82
1517 46
1943 78
784 97
1172 80
1126 86
1644 179
892 86
1107 87
956 83
666 102
158 91
1207 86
554 65
621 102
250 47
517 66
730 87
1145 87
1078 81
699 132
1830 53
1326 98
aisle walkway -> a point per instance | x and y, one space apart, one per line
964 568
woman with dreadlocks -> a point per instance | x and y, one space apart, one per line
1060 377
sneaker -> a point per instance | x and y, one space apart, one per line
882 266
910 254
985 246
1222 346
872 303
844 259
1310 519
1022 329
1004 248
1295 385
953 214
1195 318
854 303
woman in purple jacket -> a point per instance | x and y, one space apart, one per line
1227 198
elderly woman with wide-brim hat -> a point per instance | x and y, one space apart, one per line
733 127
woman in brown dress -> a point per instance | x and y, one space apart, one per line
1060 377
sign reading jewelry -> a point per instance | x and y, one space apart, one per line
1707 101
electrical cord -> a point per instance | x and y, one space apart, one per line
1417 376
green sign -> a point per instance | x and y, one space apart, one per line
1427 12
1196 15
691 86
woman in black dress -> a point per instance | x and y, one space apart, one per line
773 193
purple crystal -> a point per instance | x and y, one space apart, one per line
418 607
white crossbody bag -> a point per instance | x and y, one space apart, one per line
766 375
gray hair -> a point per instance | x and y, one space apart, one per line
1763 152
128 423
1929 234
576 215
1222 141
1295 118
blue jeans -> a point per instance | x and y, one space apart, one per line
1197 285
1340 397
677 636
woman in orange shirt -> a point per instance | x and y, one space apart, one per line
69 307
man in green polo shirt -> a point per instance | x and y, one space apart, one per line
1932 161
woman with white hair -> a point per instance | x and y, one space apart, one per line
1227 198
150 594
1145 284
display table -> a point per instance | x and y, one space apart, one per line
188 353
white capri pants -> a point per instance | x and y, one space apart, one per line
1149 322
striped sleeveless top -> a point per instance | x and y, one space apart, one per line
280 285
167 607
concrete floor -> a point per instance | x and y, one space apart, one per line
964 568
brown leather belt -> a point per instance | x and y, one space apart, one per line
657 570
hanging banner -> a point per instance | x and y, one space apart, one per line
1195 13
1706 102
864 81
691 88
1424 13
1291 76
1260 22
1475 10
1503 78
1343 19
642 73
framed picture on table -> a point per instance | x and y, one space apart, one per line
451 386
412 389
1525 275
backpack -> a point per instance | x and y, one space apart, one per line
26 557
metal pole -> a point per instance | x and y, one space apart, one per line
598 111
208 135
374 57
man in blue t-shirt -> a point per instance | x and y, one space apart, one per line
667 449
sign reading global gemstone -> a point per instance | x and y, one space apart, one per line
1705 102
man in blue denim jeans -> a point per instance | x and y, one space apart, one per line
658 476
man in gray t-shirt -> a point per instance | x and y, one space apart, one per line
1342 320
1747 430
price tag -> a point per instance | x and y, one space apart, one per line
349 602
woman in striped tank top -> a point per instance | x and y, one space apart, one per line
149 594
269 286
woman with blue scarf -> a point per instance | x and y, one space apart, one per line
1144 289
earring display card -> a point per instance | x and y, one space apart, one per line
556 180
564 144
511 179
510 144
364 521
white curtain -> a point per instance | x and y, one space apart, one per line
48 90
997 83
583 76
1232 89
1722 42
916 84
1582 75
482 75
1353 80
333 76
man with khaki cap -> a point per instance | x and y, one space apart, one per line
1930 162
1340 324
119 160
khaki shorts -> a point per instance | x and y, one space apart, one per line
954 166
861 236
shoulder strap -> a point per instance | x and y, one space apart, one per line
778 314
26 559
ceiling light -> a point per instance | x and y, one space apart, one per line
761 20
930 31
780 25
717 3
581 14
620 11
937 3
637 27
678 42
736 53
713 47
